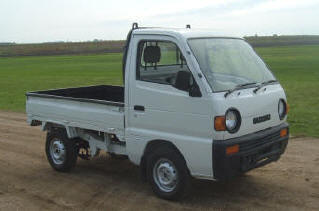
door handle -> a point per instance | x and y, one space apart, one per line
139 108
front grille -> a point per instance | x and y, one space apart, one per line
256 143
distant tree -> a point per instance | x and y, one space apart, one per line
7 43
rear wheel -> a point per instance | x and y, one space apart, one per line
167 173
60 150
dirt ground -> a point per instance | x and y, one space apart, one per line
27 182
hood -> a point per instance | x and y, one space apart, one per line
251 105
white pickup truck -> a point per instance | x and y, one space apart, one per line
193 105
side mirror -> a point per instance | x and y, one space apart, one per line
194 91
183 82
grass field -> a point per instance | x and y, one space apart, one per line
21 74
296 67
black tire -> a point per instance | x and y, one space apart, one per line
183 183
69 149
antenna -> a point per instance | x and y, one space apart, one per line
188 26
135 26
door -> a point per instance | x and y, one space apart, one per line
160 107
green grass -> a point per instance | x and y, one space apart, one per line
296 67
19 75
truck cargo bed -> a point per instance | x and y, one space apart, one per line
97 108
105 94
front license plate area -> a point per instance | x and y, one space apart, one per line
260 158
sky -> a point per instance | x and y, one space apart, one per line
33 21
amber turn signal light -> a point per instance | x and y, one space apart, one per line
232 149
283 132
219 123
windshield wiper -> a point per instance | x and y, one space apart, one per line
238 87
264 84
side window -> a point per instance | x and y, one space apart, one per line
162 62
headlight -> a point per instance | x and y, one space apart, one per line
282 109
232 120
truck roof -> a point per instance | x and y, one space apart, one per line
185 33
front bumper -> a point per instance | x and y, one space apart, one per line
255 150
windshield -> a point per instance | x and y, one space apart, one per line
228 63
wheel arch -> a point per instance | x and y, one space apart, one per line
149 148
48 126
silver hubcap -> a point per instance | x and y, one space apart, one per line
57 151
165 175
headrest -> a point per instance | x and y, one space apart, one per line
152 54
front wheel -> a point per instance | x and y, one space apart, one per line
168 174
60 150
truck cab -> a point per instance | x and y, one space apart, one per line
193 105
